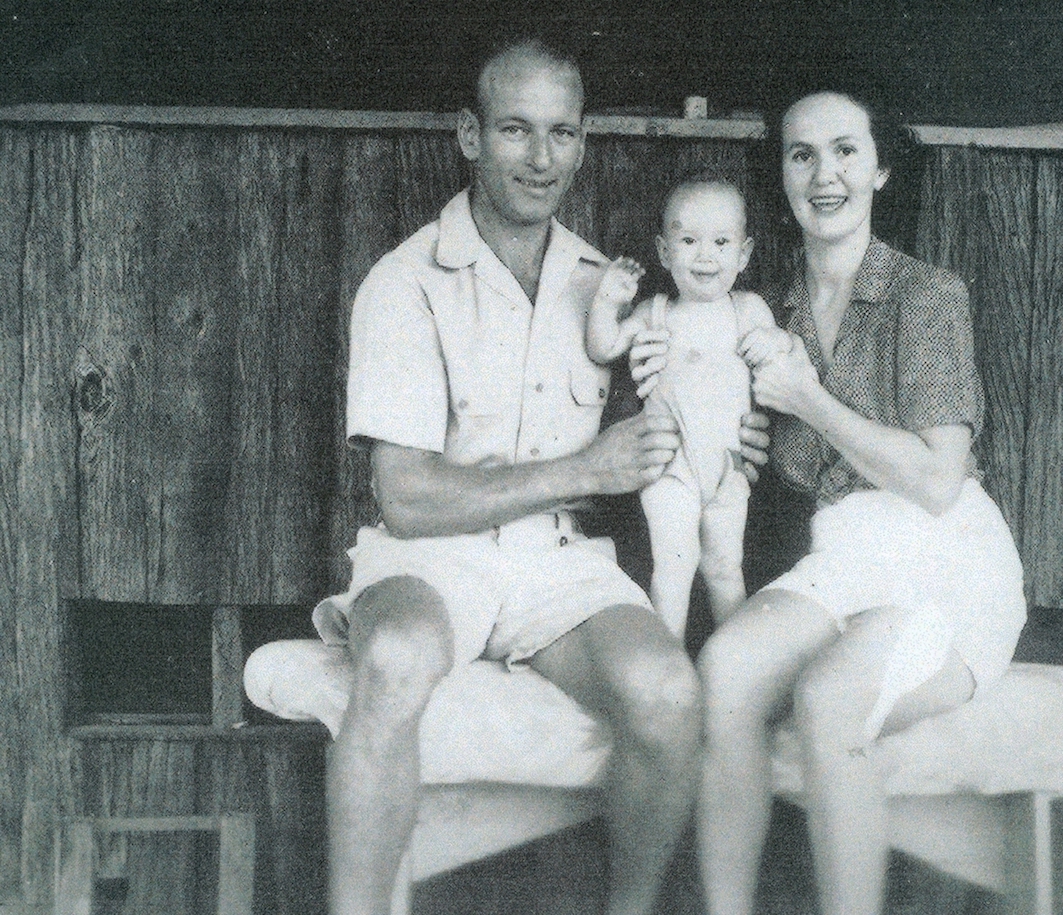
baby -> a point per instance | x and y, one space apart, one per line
696 511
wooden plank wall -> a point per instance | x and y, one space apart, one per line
173 333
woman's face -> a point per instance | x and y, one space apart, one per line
830 167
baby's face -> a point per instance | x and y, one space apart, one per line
704 245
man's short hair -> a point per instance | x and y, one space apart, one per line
538 44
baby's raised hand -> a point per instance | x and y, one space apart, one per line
620 282
764 343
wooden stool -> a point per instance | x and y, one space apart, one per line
76 850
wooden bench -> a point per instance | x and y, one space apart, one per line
969 792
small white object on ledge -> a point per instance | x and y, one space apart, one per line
695 106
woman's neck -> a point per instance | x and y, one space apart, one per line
832 265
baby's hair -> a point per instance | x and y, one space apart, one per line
708 177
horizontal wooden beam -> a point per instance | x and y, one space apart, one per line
746 127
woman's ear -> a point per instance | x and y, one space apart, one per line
469 134
881 178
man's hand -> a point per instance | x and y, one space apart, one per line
620 282
632 453
649 354
754 443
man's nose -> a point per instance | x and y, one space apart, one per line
540 154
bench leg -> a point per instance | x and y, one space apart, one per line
1028 854
73 862
236 871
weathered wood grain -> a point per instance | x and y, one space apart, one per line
116 365
191 197
369 228
1043 496
15 195
977 218
46 565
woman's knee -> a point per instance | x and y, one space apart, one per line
828 708
406 636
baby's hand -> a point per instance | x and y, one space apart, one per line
620 282
763 343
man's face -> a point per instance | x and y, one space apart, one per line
530 143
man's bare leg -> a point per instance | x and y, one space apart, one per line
624 665
401 647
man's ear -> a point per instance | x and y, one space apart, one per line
881 178
469 134
582 144
747 253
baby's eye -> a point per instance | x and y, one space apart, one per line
846 150
688 240
722 242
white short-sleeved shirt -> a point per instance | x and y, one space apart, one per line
448 355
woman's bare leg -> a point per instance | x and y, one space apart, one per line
748 668
846 809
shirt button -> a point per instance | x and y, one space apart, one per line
534 452
601 393
539 387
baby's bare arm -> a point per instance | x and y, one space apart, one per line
766 339
607 336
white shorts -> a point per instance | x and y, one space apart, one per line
957 574
509 592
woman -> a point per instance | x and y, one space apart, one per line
910 600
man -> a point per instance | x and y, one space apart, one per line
469 381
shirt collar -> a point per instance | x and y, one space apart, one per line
872 277
460 244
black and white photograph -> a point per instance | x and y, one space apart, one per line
567 458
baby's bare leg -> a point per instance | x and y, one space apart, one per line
723 524
673 513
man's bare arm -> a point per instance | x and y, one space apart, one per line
421 494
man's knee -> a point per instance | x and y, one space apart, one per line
659 699
404 633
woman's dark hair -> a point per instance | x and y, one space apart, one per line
895 212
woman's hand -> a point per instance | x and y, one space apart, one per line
649 354
764 343
787 382
754 439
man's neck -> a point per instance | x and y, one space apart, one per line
521 248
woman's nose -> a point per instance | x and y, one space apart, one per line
826 170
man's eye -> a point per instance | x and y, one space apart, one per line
512 130
565 133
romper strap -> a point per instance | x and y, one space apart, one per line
659 312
